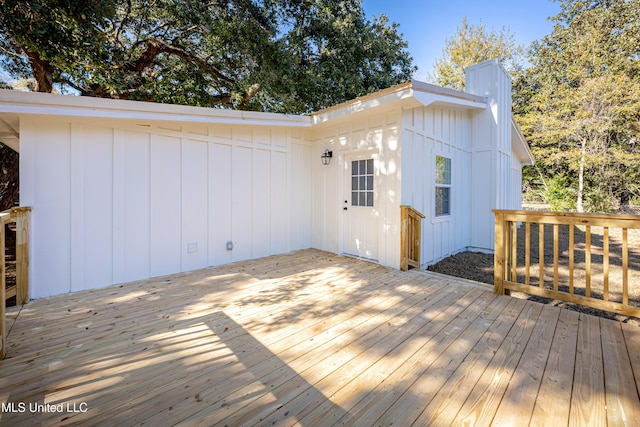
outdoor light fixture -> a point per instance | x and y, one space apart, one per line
326 157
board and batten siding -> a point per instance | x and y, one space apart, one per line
375 135
429 132
119 201
492 186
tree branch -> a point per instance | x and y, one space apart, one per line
250 93
156 46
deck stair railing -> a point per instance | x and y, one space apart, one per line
21 217
573 257
410 236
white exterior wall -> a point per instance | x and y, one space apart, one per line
427 133
515 197
116 201
491 159
377 135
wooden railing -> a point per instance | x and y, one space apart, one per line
410 235
584 259
21 216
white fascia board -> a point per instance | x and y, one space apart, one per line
449 94
74 106
520 146
429 98
408 95
401 93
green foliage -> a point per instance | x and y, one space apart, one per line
558 194
471 45
9 189
578 105
599 200
285 56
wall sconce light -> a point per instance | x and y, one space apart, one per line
326 157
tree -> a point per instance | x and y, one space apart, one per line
8 177
286 56
581 102
471 45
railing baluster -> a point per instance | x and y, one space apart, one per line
412 245
587 261
414 248
527 253
605 264
514 251
625 268
541 253
555 257
572 229
499 253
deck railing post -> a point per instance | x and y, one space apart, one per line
418 237
410 236
4 218
22 217
499 253
404 229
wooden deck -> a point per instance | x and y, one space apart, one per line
312 339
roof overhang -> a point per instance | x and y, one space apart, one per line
13 104
10 131
519 145
410 94
18 102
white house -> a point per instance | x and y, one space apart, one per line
125 190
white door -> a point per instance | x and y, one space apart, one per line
360 214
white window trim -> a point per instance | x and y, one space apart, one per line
447 216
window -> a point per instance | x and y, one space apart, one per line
443 186
362 182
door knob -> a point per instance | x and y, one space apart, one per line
345 208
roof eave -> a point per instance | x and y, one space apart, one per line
521 147
410 94
15 102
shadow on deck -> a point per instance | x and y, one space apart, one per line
311 338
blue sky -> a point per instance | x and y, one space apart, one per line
426 24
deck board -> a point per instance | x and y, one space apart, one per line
485 398
311 338
554 395
448 401
588 397
623 404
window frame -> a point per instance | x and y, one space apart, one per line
447 176
366 194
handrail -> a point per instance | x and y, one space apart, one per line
410 237
21 216
513 267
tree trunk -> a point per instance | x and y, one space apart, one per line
9 178
625 199
579 202
42 72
